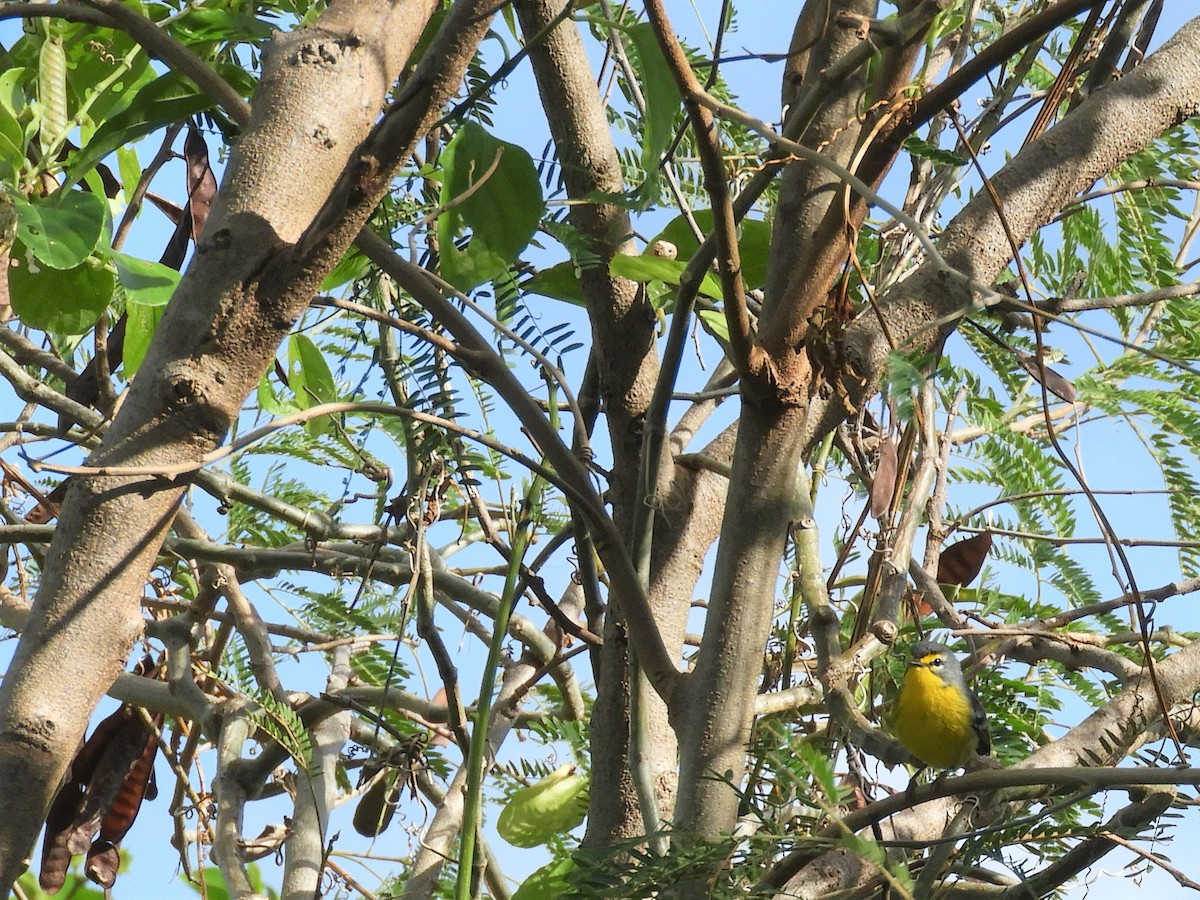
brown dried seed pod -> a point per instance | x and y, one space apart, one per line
103 860
961 562
125 805
377 806
107 779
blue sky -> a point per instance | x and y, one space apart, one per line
756 84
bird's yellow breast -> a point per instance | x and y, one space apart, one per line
933 720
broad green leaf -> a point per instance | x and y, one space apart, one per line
76 887
93 61
95 186
308 373
221 22
662 104
171 98
491 189
12 145
550 808
922 148
63 229
754 243
350 267
270 402
256 881
141 321
12 91
716 322
310 379
145 282
560 281
62 301
213 887
130 168
547 883
13 104
655 268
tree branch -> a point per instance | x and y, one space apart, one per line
219 333
569 472
1095 137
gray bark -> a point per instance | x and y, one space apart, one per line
220 332
1114 123
625 359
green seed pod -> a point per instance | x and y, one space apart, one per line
547 883
52 93
554 805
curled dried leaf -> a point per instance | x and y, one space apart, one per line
1055 383
884 483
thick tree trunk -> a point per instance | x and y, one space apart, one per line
218 336
626 363
720 693
1114 123
760 503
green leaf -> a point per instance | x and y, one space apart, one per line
12 91
222 22
510 19
662 103
89 67
548 809
61 301
282 723
61 230
269 401
76 887
145 282
822 771
491 188
754 243
350 267
140 324
130 168
715 322
308 373
655 268
560 282
12 144
213 887
918 147
257 882
164 101
310 379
